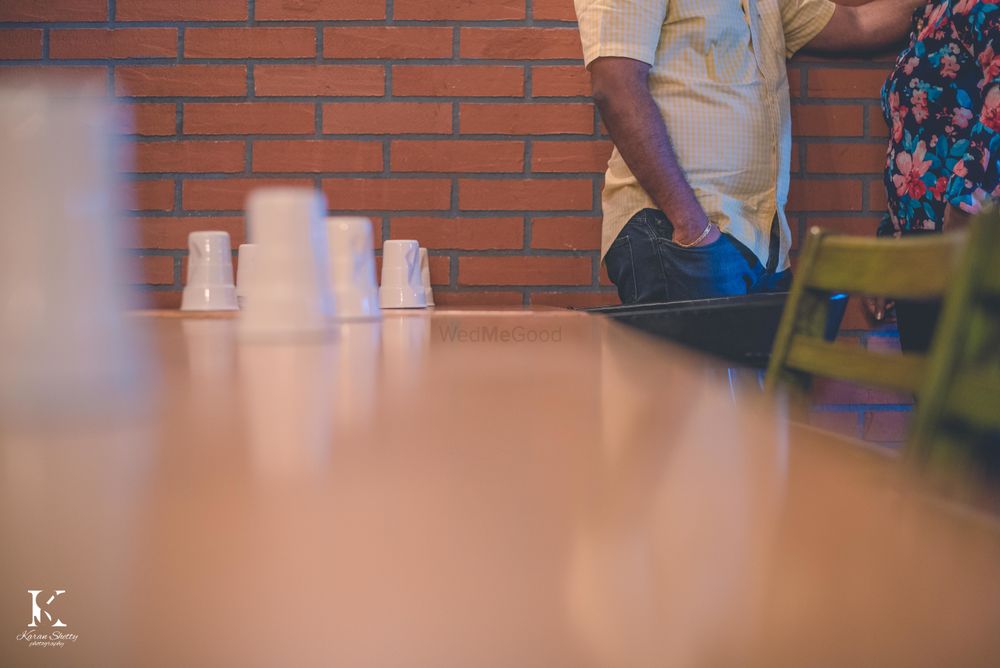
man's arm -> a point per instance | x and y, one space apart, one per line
621 92
877 25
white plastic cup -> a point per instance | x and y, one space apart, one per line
290 293
401 286
425 277
210 273
352 268
246 265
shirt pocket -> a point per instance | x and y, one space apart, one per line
717 34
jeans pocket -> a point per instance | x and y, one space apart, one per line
621 269
702 272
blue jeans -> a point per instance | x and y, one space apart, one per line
648 267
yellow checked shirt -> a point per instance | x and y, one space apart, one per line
719 79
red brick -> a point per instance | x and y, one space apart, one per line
526 119
864 226
117 43
386 118
457 156
845 83
317 155
559 81
816 195
387 42
844 423
93 78
553 10
845 158
857 319
181 10
154 269
520 43
836 392
388 194
477 298
877 198
319 10
250 42
461 233
575 299
458 80
883 344
877 127
152 195
23 44
157 120
159 300
827 120
523 270
190 156
362 80
566 233
224 118
887 426
181 80
228 194
794 82
172 233
525 195
602 276
458 10
53 10
570 156
440 269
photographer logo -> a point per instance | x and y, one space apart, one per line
46 628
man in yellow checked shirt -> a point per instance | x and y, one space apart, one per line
695 96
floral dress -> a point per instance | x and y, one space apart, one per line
942 103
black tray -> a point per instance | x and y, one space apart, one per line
737 329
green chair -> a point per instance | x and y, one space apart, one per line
958 413
914 268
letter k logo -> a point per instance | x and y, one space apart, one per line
38 610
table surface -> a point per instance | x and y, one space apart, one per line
475 488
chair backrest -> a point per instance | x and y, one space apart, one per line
912 268
958 414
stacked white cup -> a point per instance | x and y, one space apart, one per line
425 277
247 263
402 286
289 296
352 268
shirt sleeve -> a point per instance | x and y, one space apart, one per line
621 28
979 171
803 20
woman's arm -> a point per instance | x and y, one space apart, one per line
977 176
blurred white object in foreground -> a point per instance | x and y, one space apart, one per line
65 346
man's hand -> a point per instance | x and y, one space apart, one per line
874 26
621 92
713 235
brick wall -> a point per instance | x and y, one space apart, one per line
463 123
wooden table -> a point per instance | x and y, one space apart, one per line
466 488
